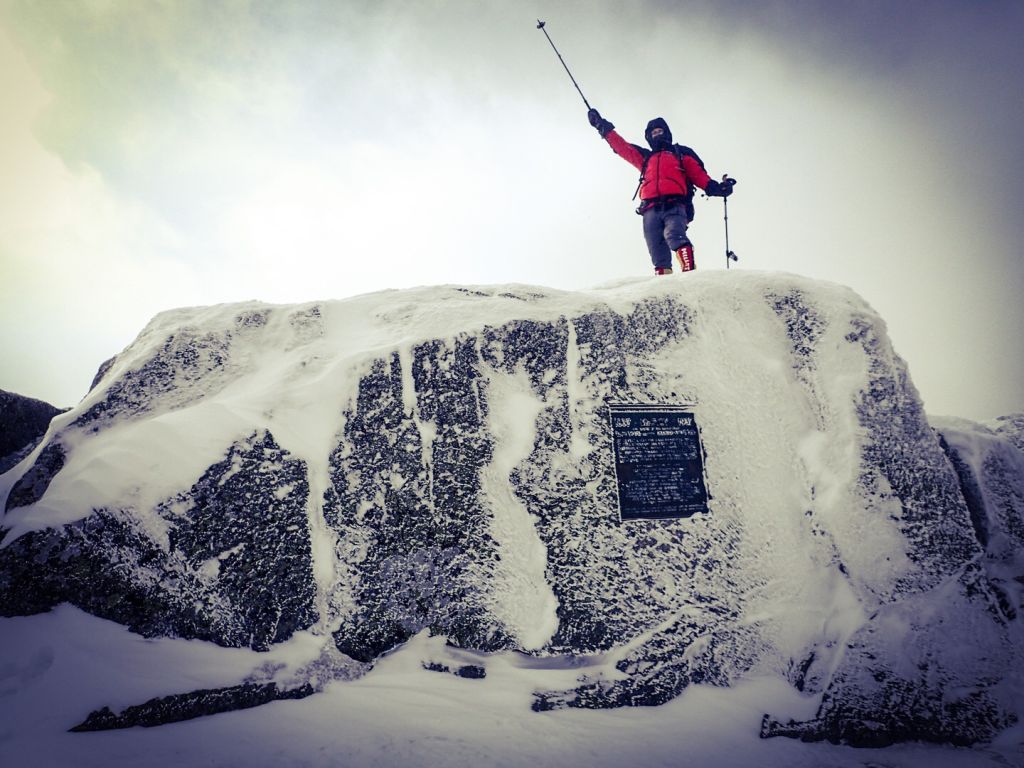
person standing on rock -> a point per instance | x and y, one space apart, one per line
668 174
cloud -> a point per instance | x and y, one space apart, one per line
82 269
293 151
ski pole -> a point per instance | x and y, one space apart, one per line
540 26
729 255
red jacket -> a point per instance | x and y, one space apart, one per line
664 175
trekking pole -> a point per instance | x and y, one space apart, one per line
729 255
540 26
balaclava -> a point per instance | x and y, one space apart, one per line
661 142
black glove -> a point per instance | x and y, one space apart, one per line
602 125
720 188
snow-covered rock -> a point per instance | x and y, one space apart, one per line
440 459
23 421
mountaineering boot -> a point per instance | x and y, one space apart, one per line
685 255
663 270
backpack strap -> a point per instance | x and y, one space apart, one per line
643 169
680 152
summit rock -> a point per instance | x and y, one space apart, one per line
439 460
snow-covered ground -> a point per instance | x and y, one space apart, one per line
56 667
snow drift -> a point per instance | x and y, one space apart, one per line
439 460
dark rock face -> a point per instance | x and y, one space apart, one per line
931 507
430 546
467 671
881 695
107 565
226 561
23 421
1011 427
464 486
189 365
33 484
186 706
244 528
884 692
989 462
432 556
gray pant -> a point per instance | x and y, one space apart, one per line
665 231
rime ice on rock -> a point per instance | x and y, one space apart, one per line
440 459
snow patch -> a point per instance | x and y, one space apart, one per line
210 569
530 611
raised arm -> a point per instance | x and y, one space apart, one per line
628 152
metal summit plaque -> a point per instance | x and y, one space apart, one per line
659 461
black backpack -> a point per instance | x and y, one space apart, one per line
680 152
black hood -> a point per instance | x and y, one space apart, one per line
666 138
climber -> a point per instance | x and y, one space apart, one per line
668 174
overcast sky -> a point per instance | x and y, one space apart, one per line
171 153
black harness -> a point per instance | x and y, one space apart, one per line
680 152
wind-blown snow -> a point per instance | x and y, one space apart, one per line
292 381
531 618
802 556
55 666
